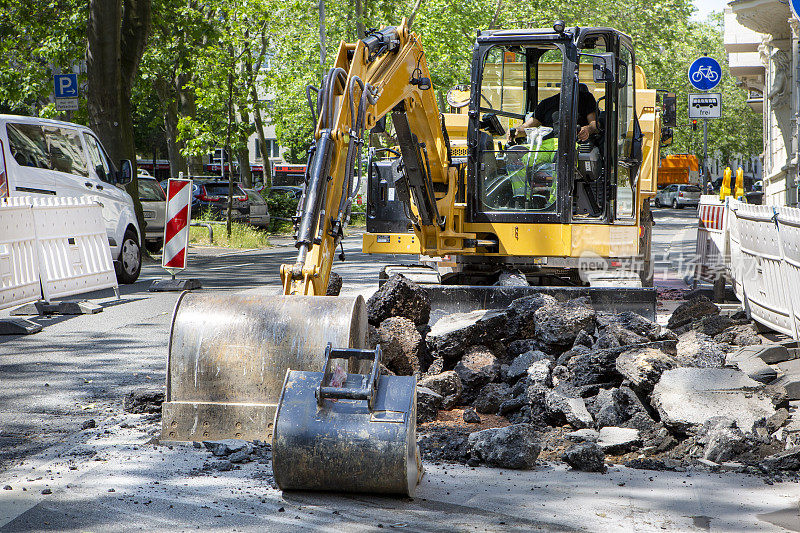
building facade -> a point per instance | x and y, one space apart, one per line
761 39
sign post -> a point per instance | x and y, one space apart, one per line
176 236
705 74
66 92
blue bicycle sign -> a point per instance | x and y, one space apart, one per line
705 73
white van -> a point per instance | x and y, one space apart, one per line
43 158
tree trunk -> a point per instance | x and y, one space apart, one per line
116 35
243 153
259 123
187 107
360 30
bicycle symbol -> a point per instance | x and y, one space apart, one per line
705 72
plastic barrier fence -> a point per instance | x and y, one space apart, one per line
712 218
56 247
789 231
763 280
19 267
74 255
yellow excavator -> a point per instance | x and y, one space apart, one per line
570 214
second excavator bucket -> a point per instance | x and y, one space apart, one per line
229 353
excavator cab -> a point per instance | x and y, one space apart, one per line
575 94
553 165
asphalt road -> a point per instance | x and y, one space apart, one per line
79 368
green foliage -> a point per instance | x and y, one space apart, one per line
242 236
280 205
194 47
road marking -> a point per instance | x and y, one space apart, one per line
223 267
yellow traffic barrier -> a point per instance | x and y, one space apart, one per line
725 189
740 185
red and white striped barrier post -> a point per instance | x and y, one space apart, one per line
176 236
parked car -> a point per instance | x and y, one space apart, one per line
678 196
212 196
45 158
154 206
259 212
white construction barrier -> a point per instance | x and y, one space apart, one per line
789 231
73 249
733 256
763 280
19 266
710 250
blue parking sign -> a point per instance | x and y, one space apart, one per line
66 85
705 73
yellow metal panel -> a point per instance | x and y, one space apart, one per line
399 243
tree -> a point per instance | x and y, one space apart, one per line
116 37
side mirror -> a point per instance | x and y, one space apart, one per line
669 117
125 175
603 67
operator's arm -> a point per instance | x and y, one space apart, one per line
586 131
530 122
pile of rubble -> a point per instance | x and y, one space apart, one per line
549 379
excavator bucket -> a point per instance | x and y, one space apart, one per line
229 353
347 432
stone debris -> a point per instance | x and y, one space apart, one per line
785 460
513 446
453 334
643 366
616 440
471 417
428 404
477 368
586 457
571 410
758 370
403 347
695 308
593 383
445 384
686 398
334 285
512 278
700 350
491 397
583 435
143 401
790 378
723 440
559 323
399 296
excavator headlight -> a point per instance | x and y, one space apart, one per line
423 83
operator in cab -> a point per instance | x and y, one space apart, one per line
546 114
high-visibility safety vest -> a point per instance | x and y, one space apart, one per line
541 157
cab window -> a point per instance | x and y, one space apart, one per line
521 175
626 130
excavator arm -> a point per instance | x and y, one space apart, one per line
382 73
